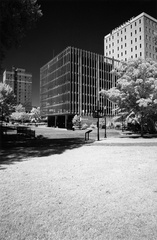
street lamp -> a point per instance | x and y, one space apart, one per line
105 136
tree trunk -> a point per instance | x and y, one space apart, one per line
142 125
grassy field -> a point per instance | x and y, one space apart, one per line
63 189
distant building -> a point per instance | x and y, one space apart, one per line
133 39
21 83
70 84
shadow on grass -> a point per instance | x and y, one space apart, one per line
18 148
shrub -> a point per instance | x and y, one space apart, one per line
84 126
93 126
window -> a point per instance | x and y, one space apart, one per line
121 32
135 47
131 49
149 54
112 50
117 55
135 23
125 29
135 55
121 46
131 41
140 54
112 37
121 54
125 44
121 39
118 48
109 45
125 52
140 29
135 31
130 26
117 34
125 37
139 20
109 39
131 34
117 41
106 40
149 46
125 59
106 47
140 37
135 39
112 44
140 45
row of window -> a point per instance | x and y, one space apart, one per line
125 43
136 55
150 22
125 30
147 29
118 55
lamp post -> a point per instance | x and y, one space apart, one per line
98 126
105 136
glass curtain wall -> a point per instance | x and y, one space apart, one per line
70 83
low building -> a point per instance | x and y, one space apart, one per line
70 85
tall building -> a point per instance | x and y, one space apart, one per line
133 39
70 84
21 83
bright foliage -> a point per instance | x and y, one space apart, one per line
136 88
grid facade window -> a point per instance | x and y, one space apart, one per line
69 83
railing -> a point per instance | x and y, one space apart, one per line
87 134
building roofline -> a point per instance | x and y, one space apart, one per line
129 22
49 62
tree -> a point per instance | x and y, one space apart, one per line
20 116
35 114
7 99
16 17
19 108
77 121
136 89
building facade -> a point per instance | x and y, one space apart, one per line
133 39
70 85
21 83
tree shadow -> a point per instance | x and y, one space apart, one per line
19 148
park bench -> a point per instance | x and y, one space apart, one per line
87 134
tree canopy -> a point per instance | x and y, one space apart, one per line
7 98
16 17
136 88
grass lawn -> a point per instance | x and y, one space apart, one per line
96 191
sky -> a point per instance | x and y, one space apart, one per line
77 23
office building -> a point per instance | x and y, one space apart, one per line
70 85
133 39
21 83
